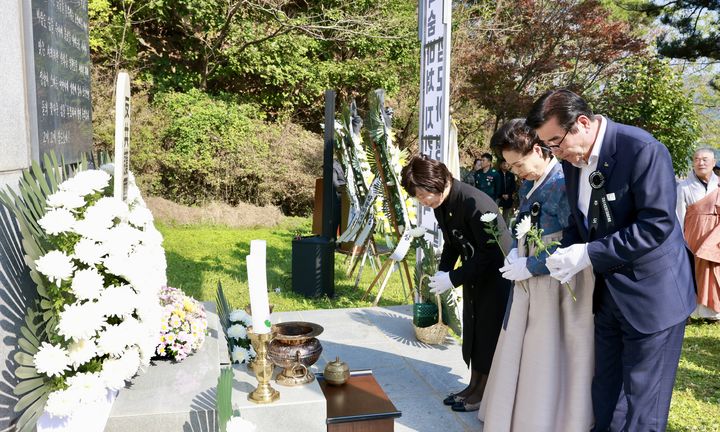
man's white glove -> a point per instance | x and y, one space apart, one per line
565 263
440 282
511 256
516 270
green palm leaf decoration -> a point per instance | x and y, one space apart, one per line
27 204
224 397
223 308
32 388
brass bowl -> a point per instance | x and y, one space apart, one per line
295 348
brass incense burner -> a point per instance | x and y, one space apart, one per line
336 372
295 348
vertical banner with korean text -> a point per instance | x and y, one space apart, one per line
434 25
122 135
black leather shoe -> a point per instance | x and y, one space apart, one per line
452 399
465 407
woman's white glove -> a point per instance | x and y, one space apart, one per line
565 263
511 256
440 282
517 270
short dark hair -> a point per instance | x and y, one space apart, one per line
515 135
562 104
426 173
487 156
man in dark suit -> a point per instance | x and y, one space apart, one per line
621 188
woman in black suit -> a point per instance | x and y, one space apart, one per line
458 208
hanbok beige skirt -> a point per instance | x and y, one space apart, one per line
542 370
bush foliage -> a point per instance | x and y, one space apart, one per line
193 148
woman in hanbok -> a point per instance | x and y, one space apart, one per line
542 371
458 208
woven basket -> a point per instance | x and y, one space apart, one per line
436 333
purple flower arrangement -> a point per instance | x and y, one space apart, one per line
183 325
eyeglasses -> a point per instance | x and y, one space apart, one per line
555 146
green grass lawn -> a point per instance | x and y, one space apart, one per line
200 256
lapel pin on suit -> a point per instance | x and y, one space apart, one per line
605 164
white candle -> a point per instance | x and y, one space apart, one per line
257 248
259 304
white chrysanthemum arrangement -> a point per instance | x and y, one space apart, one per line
183 325
105 264
241 351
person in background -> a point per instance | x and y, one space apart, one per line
543 366
716 169
487 179
507 190
698 199
458 208
339 183
470 176
621 189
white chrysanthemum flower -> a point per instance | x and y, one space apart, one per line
239 424
116 371
147 268
113 341
523 227
93 229
89 252
89 386
80 321
488 217
65 199
51 360
86 182
238 315
57 221
140 216
239 354
152 237
123 238
237 331
118 300
147 345
62 403
149 311
247 321
56 265
118 264
106 210
81 352
417 231
87 284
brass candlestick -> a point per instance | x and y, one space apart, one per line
263 368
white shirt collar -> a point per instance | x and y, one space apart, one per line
597 145
542 178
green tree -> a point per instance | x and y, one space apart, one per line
279 54
520 49
693 31
650 94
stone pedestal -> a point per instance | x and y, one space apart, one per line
175 396
300 408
